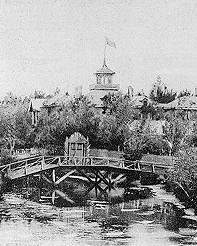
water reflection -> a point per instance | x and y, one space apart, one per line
138 222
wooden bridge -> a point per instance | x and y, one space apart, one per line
33 165
48 174
100 173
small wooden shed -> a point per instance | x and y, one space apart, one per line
76 145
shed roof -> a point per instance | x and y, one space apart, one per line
77 137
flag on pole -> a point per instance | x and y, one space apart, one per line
110 43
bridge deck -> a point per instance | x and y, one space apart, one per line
35 165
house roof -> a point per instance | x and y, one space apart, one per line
77 138
185 102
105 70
57 100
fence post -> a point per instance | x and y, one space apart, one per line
42 163
25 167
138 165
153 168
59 161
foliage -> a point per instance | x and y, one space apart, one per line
119 106
184 93
160 93
185 173
147 108
111 133
77 116
15 125
39 94
176 132
6 157
109 129
141 140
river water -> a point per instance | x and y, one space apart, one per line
133 223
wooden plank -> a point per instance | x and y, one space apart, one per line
65 176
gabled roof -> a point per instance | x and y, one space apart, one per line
57 100
77 138
105 70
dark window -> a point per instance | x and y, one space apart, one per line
72 146
79 146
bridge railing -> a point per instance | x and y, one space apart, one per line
144 165
37 164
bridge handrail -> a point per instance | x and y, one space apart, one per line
48 161
146 162
65 157
88 157
151 162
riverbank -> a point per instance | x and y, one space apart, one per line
186 216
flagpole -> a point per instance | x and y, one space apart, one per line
104 62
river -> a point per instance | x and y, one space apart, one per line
136 223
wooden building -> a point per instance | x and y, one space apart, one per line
104 85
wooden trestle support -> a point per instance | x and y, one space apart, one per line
50 183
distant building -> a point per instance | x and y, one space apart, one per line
103 86
36 105
186 104
138 101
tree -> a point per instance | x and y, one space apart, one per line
143 140
15 125
119 106
184 175
111 133
76 116
39 94
184 93
176 132
160 93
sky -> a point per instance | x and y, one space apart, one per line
59 43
